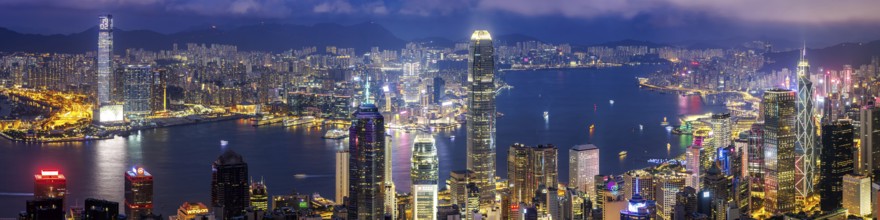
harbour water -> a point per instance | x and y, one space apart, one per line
180 157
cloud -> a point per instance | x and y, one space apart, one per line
256 8
801 11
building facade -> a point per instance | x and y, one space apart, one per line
583 166
367 164
481 113
779 151
138 193
424 175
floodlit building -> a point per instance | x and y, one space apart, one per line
583 166
138 193
481 113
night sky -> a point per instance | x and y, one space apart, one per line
819 22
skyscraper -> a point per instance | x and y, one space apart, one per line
779 151
105 54
481 113
806 130
857 195
425 177
46 208
837 160
138 85
158 90
367 164
583 166
668 184
721 126
692 156
50 184
229 185
342 170
138 193
457 183
259 196
439 89
869 133
531 169
755 164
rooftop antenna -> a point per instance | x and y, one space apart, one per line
367 91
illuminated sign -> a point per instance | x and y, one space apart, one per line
49 172
110 113
105 23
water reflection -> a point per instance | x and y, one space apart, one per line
110 164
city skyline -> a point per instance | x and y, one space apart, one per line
433 128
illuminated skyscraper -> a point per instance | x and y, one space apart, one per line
779 151
869 133
259 196
481 113
837 161
721 133
668 184
138 85
229 185
529 169
158 90
857 195
342 158
138 193
638 182
755 165
105 56
583 165
367 164
693 165
50 184
806 131
424 174
457 184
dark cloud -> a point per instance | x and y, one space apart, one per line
565 20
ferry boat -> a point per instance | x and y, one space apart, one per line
664 123
299 121
611 101
546 115
622 154
335 134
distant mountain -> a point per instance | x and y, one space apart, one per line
631 42
512 39
833 57
263 37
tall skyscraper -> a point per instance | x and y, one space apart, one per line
721 126
806 131
425 177
692 164
755 164
583 166
869 133
138 85
481 113
367 164
229 185
439 89
138 193
837 160
259 196
158 90
857 195
638 182
342 169
779 151
531 169
50 184
105 56
668 184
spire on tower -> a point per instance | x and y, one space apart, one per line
367 91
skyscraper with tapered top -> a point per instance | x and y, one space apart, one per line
481 113
779 150
806 131
367 164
